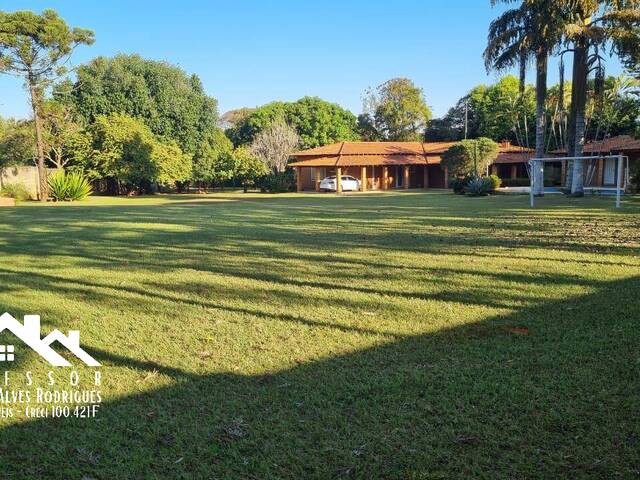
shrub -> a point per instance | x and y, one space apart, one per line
277 182
69 186
458 184
470 157
495 182
15 190
479 186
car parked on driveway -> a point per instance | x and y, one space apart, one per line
349 184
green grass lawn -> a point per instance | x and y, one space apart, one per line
400 335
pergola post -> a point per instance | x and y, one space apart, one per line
620 173
426 177
317 183
514 172
339 180
405 177
298 179
363 179
385 178
446 177
599 168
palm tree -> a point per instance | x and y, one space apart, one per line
592 24
530 30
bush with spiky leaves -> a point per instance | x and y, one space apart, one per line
69 187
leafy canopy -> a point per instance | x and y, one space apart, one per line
470 157
65 140
36 46
316 121
248 166
396 110
493 111
217 161
17 142
171 103
125 148
213 162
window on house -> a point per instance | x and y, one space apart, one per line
6 353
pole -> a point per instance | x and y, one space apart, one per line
619 180
531 182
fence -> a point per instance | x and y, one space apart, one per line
26 176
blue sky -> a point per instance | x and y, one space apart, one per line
250 52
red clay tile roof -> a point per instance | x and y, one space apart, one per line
365 148
515 157
353 160
621 143
390 153
366 160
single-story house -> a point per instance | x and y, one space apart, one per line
387 165
602 172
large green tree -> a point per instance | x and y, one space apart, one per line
613 109
35 48
316 121
591 25
212 162
395 110
65 140
125 150
248 167
171 103
470 157
493 111
533 29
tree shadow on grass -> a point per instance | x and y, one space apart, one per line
421 223
547 392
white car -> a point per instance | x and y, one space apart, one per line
349 184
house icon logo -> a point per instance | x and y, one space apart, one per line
29 333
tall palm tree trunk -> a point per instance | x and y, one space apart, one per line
571 133
541 96
579 99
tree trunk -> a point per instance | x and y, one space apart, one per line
523 75
42 171
522 85
579 97
541 96
571 127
